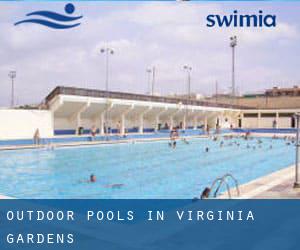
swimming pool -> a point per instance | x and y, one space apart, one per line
147 170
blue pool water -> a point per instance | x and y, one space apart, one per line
147 170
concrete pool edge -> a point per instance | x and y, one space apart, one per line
276 185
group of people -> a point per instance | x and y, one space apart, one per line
106 130
258 143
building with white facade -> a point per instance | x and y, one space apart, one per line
72 111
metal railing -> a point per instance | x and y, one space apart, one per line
130 96
220 182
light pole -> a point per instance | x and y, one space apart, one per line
233 44
297 181
12 75
153 72
149 72
217 91
188 69
153 79
107 51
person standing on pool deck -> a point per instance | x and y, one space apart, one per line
274 124
36 137
93 132
119 127
207 129
104 128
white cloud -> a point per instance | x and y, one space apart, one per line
167 35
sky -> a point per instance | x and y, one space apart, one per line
144 34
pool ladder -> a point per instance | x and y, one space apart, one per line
223 180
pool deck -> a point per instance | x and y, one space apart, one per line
277 185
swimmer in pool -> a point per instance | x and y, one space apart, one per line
92 178
207 149
185 141
117 185
205 193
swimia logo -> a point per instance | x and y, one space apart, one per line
242 20
52 19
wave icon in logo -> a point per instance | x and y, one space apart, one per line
55 20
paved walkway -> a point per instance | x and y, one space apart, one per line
278 185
